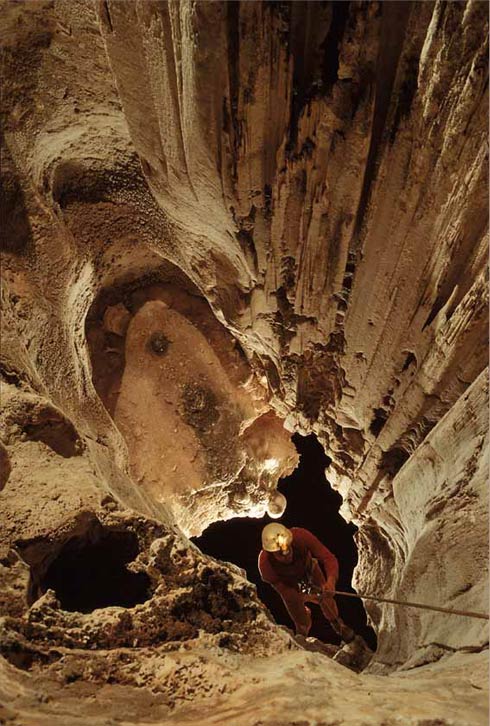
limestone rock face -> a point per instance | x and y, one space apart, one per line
225 222
202 438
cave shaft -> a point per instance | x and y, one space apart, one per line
224 223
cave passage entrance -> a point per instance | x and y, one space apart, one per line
314 505
91 572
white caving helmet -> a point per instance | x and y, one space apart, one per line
276 537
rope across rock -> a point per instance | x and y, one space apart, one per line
404 603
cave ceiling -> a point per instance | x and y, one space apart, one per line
222 223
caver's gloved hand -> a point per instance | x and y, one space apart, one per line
331 583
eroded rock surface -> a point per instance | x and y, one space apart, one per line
316 175
201 435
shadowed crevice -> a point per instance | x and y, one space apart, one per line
90 572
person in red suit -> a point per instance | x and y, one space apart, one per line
293 558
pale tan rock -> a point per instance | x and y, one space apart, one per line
116 319
316 176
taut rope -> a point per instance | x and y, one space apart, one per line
423 606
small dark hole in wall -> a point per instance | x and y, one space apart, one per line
19 657
393 460
159 343
90 572
379 419
58 434
409 360
314 505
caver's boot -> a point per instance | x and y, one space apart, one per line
355 655
346 633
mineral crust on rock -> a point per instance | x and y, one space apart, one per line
223 222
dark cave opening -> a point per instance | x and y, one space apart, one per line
90 572
314 505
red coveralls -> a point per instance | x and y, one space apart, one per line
284 577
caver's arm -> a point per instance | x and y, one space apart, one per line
327 559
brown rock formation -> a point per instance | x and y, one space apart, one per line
217 218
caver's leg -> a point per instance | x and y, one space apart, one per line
300 614
330 609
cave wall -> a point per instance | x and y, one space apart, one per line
318 171
433 528
366 280
359 260
201 434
